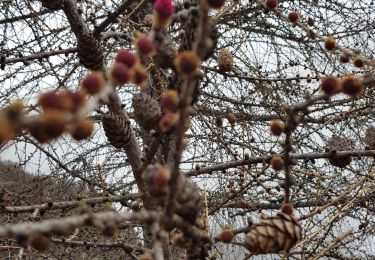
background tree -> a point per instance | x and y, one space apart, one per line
222 112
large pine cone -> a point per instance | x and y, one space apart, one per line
117 129
338 144
90 52
274 234
370 138
147 111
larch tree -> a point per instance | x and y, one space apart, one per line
196 129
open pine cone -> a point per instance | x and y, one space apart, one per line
274 234
338 143
147 111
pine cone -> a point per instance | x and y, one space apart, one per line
147 111
274 234
117 129
225 60
338 144
90 52
370 138
189 199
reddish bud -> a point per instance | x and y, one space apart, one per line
330 85
169 101
161 177
168 120
93 82
126 57
226 235
345 58
277 163
232 119
329 43
276 127
109 231
147 256
352 86
119 74
6 130
38 131
293 17
39 242
139 75
187 62
358 62
54 100
287 208
271 4
54 123
82 129
144 45
77 99
164 8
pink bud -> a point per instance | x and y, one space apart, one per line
164 8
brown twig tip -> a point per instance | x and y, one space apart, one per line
287 208
277 163
277 127
226 235
39 242
352 86
330 85
187 62
330 43
293 17
271 4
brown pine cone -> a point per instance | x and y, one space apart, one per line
225 60
117 129
90 52
338 143
147 111
274 234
